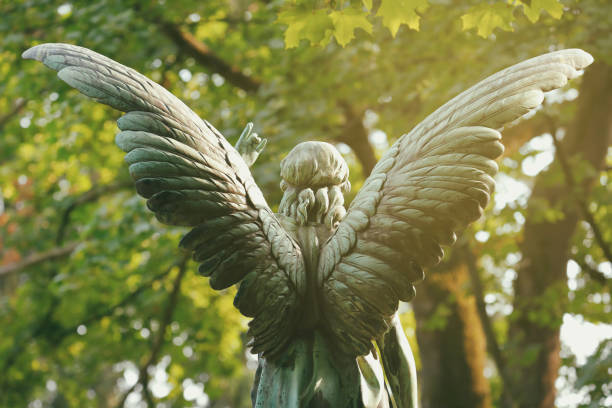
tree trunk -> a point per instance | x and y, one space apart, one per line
355 135
451 340
541 288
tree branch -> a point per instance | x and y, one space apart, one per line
39 257
191 46
582 205
515 136
492 344
59 335
143 375
39 326
355 135
87 197
17 107
593 273
20 343
123 302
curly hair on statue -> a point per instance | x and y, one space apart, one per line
314 176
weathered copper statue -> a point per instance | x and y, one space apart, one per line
321 283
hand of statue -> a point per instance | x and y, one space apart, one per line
250 145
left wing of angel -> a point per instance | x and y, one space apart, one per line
192 176
431 183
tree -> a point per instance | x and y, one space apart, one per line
546 241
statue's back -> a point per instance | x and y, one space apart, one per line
312 373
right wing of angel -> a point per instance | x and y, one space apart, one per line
431 183
192 176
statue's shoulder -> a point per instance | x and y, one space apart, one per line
289 224
323 233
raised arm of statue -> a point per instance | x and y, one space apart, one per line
250 145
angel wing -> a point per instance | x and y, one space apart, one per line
431 183
192 176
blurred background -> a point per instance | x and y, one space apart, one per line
98 307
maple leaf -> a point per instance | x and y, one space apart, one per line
394 13
315 26
534 8
487 17
346 22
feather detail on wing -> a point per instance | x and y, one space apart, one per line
431 183
192 176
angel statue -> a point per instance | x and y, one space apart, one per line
322 284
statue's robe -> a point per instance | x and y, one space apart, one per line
313 371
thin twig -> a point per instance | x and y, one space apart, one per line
123 302
143 375
89 196
17 107
593 273
59 335
20 342
38 257
581 204
191 46
38 327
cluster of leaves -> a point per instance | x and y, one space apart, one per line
319 23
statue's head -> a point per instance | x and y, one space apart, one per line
314 176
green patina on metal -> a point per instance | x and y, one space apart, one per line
321 283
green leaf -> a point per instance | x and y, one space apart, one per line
367 4
315 26
486 18
346 22
534 8
394 13
211 30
